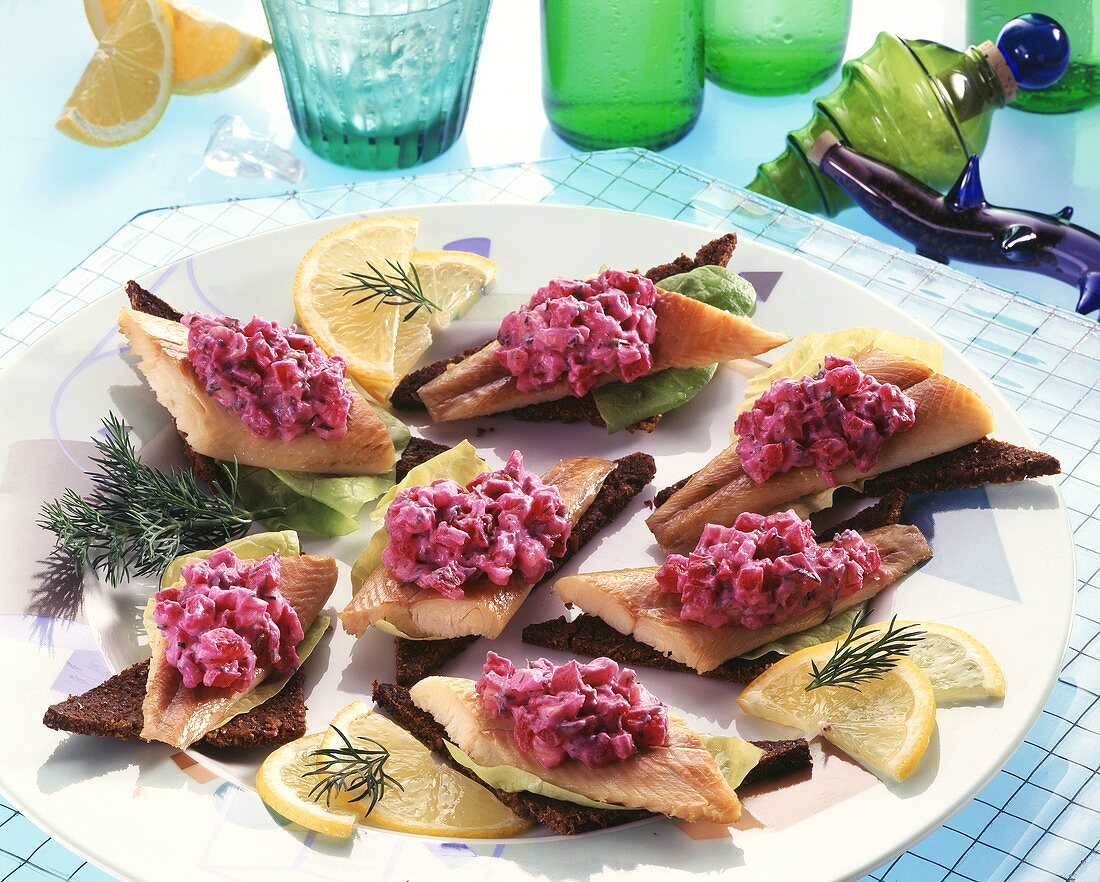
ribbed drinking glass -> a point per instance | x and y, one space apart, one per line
377 84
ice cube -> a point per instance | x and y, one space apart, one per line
234 150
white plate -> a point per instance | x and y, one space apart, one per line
1003 570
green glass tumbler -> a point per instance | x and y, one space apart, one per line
1079 86
775 47
377 84
622 73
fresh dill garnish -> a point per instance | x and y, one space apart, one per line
395 288
138 519
868 657
357 771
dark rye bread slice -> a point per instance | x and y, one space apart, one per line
113 709
566 818
591 636
415 659
567 410
987 461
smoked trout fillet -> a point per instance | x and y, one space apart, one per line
486 609
632 603
215 431
948 416
681 780
180 716
689 334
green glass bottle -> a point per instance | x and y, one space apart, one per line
914 104
618 73
1079 87
775 47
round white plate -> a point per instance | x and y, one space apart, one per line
1003 570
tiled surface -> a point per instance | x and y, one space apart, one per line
1039 819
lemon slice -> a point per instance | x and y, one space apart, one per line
281 786
435 799
885 724
125 87
381 341
452 281
209 53
957 664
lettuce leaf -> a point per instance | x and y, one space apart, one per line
623 404
830 629
807 355
715 285
251 547
325 505
734 756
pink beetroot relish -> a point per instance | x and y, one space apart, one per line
279 382
595 713
840 415
763 570
228 619
503 522
581 331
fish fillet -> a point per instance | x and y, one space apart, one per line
487 608
180 716
948 416
213 430
689 334
632 602
681 780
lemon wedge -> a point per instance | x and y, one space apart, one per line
283 788
434 799
125 87
380 340
885 724
209 53
958 665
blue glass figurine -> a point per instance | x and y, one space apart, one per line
962 224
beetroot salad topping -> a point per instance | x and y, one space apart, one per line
501 523
763 570
595 713
228 619
276 379
580 331
840 415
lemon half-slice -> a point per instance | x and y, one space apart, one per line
885 724
958 665
434 799
209 53
125 87
282 786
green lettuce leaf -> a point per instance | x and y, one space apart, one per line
715 285
830 629
735 758
325 505
251 547
623 404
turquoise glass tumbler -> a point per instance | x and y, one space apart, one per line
377 84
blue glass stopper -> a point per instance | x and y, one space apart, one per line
1036 48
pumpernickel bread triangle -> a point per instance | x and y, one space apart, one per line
113 710
406 396
566 818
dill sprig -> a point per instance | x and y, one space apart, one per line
396 288
138 519
868 657
357 771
